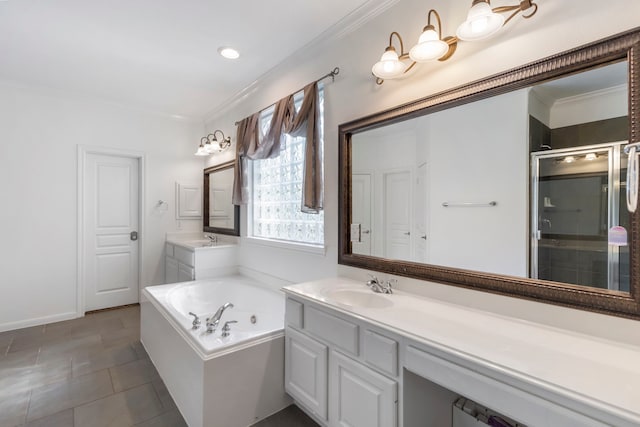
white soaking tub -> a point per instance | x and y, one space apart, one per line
231 381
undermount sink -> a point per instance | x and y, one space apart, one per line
364 298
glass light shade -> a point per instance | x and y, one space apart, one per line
202 151
208 146
212 145
591 156
481 23
429 47
569 159
389 66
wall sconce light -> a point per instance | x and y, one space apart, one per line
207 146
482 21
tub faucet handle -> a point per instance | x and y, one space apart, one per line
226 329
196 321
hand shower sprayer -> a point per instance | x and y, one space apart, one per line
632 176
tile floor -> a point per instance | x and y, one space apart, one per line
89 372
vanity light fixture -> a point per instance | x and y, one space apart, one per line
482 21
207 143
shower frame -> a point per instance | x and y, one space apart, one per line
613 150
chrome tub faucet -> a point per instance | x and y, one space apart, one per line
213 321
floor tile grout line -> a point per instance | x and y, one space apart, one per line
6 352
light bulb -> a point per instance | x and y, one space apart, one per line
481 23
429 46
591 156
569 159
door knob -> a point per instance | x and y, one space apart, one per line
134 235
366 231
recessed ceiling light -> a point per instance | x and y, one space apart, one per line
229 52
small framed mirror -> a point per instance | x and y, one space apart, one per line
220 215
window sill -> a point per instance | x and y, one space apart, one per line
292 246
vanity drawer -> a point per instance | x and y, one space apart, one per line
294 311
184 256
332 329
381 352
168 247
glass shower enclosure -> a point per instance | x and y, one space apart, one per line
579 221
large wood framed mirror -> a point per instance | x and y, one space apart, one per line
220 215
514 184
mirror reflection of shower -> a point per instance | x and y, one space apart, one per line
577 203
579 218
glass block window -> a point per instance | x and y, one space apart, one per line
276 191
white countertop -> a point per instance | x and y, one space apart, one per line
199 244
604 374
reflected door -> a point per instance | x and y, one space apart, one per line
397 215
576 202
421 215
361 212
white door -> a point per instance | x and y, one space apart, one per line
111 188
361 212
421 211
397 215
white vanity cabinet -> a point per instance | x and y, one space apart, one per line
338 369
305 374
179 264
192 259
403 360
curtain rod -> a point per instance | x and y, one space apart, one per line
333 73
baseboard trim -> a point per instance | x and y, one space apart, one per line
10 326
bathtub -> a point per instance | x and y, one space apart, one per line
233 381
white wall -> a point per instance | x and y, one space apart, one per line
39 134
480 153
557 26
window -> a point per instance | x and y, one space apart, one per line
276 191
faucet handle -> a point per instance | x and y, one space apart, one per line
226 329
388 288
196 321
373 281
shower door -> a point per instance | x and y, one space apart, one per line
575 202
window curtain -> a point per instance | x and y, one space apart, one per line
284 120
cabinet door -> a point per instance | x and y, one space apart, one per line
359 396
305 373
170 270
185 273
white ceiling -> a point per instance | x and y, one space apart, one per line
158 55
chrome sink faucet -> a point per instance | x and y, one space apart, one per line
380 287
212 238
213 321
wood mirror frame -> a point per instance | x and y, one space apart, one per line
625 46
235 231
